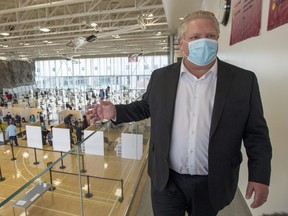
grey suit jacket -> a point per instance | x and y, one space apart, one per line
237 116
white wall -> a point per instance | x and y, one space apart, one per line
267 56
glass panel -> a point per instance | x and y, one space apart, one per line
81 181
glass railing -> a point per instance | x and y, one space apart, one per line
98 175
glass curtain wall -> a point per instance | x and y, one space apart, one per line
120 73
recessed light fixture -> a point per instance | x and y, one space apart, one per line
5 34
158 33
44 29
181 18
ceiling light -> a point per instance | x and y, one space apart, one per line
181 18
158 33
116 36
5 34
148 16
93 24
44 29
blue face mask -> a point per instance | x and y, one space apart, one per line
202 51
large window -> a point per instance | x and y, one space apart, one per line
98 73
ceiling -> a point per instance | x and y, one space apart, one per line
123 27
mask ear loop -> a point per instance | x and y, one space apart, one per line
182 52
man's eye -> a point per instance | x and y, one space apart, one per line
194 38
212 36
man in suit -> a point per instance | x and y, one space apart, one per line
201 110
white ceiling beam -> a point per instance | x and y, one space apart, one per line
40 6
122 10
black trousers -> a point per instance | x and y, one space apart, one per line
183 193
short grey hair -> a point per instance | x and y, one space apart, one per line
200 14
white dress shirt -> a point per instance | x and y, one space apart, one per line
192 120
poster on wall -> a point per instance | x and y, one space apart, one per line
278 13
246 20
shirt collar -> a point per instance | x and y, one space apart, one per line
212 70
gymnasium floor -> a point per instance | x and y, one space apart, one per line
105 176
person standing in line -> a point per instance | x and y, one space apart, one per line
78 129
50 136
85 123
68 120
201 110
11 132
107 92
41 118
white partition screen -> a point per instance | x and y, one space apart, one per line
95 144
61 139
132 145
34 136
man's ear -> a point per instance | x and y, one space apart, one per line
180 42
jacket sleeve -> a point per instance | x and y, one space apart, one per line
256 140
135 111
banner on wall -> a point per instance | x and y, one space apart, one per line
246 20
278 13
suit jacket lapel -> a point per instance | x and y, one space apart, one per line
172 77
224 80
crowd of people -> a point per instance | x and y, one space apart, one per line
76 125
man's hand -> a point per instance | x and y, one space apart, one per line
104 110
260 191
